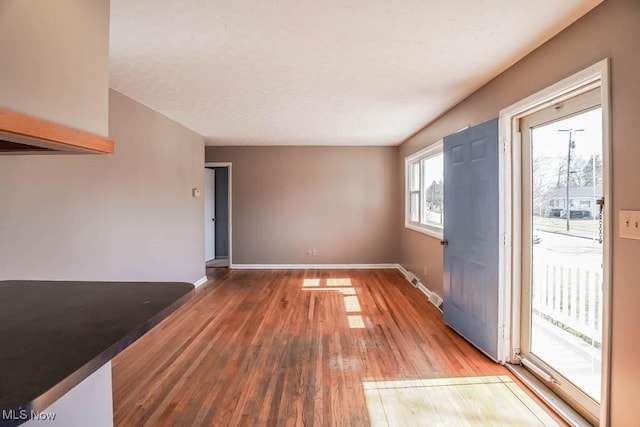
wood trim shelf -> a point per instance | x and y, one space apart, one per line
21 134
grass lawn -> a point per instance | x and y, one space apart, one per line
578 227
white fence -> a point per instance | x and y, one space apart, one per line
570 298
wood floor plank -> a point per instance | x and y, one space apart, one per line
307 347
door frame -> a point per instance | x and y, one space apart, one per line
230 187
510 176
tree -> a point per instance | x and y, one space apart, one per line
581 171
587 172
434 196
543 173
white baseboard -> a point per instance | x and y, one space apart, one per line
402 269
312 266
200 281
434 298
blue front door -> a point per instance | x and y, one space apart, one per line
471 235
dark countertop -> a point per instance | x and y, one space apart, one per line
53 335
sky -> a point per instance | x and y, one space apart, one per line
433 170
548 141
552 144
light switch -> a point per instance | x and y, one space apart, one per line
629 224
195 192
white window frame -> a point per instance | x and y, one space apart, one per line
430 151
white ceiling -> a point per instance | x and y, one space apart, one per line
321 72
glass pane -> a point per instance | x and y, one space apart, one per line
414 205
566 326
433 191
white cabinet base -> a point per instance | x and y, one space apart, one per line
90 403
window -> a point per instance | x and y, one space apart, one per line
425 190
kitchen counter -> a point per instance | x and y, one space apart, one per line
53 335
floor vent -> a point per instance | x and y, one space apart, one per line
435 300
413 279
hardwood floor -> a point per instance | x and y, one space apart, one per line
312 347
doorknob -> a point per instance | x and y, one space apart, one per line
444 242
213 219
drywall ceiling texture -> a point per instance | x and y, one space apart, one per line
340 201
319 72
611 30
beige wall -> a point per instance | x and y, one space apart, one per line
611 30
54 61
126 216
339 200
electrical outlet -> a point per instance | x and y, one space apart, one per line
309 252
424 271
314 252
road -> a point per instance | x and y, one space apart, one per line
560 249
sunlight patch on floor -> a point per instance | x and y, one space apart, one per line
345 287
351 304
339 282
355 321
469 401
343 291
310 283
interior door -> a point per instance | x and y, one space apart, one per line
209 214
222 212
471 235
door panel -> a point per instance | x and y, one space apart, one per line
456 292
478 306
471 230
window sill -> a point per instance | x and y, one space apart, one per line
432 231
